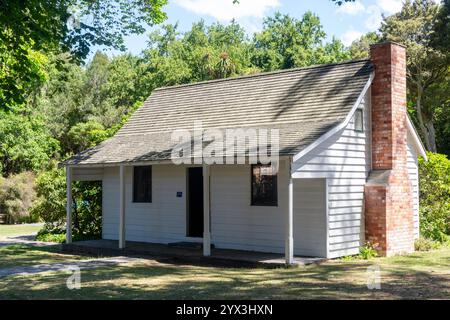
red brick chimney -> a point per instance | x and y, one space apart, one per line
388 192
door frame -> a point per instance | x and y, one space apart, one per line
188 236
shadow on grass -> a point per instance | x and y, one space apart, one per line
333 281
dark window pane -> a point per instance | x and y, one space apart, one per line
359 125
264 186
142 184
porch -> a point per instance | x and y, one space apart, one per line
180 252
226 215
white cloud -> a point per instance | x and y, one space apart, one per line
225 10
374 19
351 8
349 36
390 6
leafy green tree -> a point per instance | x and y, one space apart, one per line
360 48
435 197
426 66
202 53
51 204
286 42
25 144
54 26
440 38
84 135
16 197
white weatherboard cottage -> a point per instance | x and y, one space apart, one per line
314 204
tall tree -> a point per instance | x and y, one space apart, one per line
426 66
286 42
360 48
50 26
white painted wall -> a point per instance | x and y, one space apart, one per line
162 221
345 160
310 217
235 224
87 174
413 170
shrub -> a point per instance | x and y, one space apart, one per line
60 237
47 236
435 197
368 251
424 244
16 197
51 205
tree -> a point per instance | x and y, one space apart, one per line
51 204
54 26
360 49
435 197
440 38
426 66
25 144
286 42
202 53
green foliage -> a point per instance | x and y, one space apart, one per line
25 144
368 251
16 197
50 206
85 135
424 244
414 26
50 236
21 70
74 26
435 197
286 42
51 202
440 38
60 236
360 48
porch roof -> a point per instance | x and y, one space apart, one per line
303 104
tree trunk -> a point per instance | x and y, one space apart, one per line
426 127
431 135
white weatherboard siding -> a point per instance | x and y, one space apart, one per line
235 224
344 159
310 220
87 174
162 221
413 170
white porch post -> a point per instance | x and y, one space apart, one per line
289 246
206 212
69 205
122 208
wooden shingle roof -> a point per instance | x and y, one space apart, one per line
302 103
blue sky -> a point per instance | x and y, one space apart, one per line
347 22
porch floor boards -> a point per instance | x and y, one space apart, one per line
154 251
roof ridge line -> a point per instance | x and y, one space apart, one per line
261 74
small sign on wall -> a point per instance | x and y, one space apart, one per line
179 194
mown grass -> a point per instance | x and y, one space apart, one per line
19 255
423 275
18 230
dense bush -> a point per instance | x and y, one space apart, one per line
435 197
25 144
51 204
16 197
424 244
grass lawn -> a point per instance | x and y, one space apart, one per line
18 230
417 276
22 255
